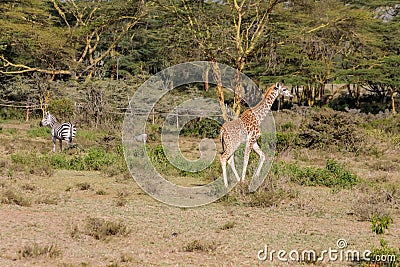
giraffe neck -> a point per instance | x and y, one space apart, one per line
263 108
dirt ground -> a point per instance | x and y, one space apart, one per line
218 234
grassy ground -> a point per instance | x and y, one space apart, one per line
94 215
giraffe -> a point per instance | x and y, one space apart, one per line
246 129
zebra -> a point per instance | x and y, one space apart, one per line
62 131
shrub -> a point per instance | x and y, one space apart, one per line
197 245
44 164
35 250
269 198
201 128
13 196
387 256
380 223
285 140
333 175
228 225
83 186
31 163
62 108
288 126
98 158
326 128
100 229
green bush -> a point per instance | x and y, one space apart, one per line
62 108
380 223
31 163
387 256
201 128
285 140
8 113
333 175
327 128
288 126
97 158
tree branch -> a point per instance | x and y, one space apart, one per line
62 14
24 69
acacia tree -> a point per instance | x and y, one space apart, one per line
310 48
375 67
239 32
94 28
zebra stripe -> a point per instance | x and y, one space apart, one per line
65 131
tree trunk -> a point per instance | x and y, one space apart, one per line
205 77
238 86
216 72
392 95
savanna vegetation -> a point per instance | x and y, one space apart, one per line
336 171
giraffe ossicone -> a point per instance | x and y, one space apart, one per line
246 129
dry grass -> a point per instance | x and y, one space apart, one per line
35 250
104 220
197 245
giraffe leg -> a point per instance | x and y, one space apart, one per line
223 165
231 162
258 150
249 145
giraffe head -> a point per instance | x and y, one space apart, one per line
282 90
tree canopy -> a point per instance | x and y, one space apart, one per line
306 43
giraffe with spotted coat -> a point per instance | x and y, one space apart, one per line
246 129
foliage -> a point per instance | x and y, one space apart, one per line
387 255
30 163
62 108
12 196
285 140
95 159
201 128
380 223
334 175
306 43
62 37
325 129
161 162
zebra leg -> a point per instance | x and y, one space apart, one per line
54 144
60 145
